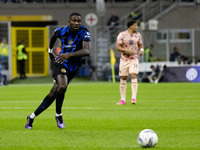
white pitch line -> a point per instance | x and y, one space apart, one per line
98 108
28 101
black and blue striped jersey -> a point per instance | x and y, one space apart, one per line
72 42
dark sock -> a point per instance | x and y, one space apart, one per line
44 105
59 102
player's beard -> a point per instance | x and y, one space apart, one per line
76 28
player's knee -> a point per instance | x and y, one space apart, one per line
52 94
124 77
62 89
133 76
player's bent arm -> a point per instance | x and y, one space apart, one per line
123 50
120 48
140 46
51 44
141 49
80 53
85 51
52 41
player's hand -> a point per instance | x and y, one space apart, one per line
129 52
62 57
141 53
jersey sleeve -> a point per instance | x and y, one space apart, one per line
119 39
86 36
57 32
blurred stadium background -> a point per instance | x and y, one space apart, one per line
35 20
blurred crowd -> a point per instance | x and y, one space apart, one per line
3 61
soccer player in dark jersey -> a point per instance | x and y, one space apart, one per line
75 40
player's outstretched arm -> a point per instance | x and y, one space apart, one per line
85 51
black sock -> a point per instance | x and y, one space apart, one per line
44 105
59 102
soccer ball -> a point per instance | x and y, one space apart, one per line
147 138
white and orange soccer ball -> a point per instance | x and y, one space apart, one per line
147 138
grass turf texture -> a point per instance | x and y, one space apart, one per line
94 121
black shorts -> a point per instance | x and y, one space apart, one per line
61 69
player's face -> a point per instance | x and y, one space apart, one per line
134 27
74 23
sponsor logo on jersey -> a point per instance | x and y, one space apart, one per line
131 42
69 46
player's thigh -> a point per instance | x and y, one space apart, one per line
60 74
134 67
62 80
123 68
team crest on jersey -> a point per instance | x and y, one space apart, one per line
131 42
71 41
63 70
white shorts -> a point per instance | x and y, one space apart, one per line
127 67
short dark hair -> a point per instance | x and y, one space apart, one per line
74 14
130 23
22 41
152 66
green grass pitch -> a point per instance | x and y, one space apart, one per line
94 121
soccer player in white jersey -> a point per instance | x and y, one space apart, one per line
128 43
